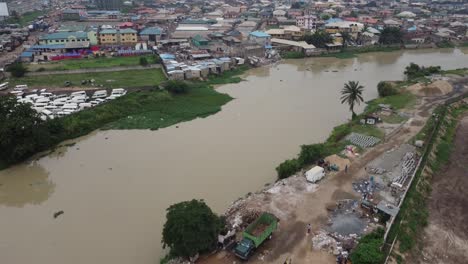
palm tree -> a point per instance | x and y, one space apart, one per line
352 94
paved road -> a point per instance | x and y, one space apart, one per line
112 69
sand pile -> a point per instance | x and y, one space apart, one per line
436 88
335 159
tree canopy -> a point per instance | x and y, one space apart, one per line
22 131
190 227
352 95
391 35
414 70
319 38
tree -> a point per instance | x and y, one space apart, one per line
386 89
191 227
177 87
311 153
17 70
319 39
325 16
143 61
391 35
22 131
346 38
352 95
414 70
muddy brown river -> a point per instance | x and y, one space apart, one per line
114 186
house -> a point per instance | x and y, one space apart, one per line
293 13
307 22
289 32
260 37
344 26
71 15
199 41
128 36
279 13
151 34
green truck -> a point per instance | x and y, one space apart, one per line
255 234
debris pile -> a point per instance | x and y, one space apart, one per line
362 140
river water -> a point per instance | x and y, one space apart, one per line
114 186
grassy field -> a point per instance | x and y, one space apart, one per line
27 17
124 79
152 109
398 101
92 63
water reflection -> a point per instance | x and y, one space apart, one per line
30 186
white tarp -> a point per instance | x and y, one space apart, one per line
4 10
315 174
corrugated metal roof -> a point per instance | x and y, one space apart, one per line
65 35
151 31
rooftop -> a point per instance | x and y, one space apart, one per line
260 34
64 35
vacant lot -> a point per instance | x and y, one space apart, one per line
446 237
124 79
92 63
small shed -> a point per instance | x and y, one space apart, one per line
315 174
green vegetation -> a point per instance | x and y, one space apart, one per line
386 89
93 63
176 87
415 71
26 18
348 53
391 35
22 132
127 79
399 101
319 38
352 95
293 55
17 70
460 72
394 119
445 44
368 250
228 76
143 61
191 227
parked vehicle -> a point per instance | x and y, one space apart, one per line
100 94
21 87
118 92
80 93
4 86
255 234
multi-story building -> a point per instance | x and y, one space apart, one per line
65 37
307 22
125 36
109 4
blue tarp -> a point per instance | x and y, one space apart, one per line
167 56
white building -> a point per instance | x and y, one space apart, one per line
3 11
307 22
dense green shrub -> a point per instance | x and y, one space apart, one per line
386 89
311 153
368 250
17 70
177 87
144 61
288 168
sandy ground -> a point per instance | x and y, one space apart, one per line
296 211
446 237
436 88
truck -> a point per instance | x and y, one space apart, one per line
255 234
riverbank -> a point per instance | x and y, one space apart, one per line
149 108
297 203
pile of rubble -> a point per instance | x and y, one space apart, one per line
408 165
362 140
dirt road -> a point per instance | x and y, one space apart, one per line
446 237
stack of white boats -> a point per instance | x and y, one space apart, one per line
51 105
